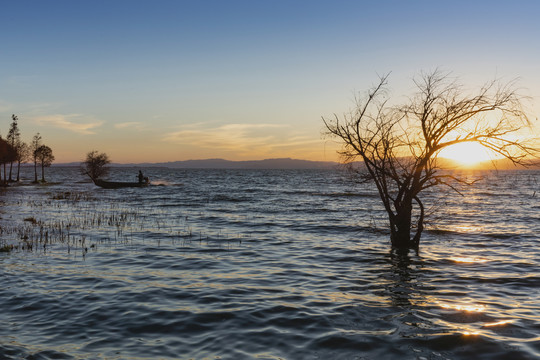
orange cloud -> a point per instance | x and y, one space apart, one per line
71 122
242 138
131 125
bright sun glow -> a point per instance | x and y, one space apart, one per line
468 153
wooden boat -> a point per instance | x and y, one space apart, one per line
119 184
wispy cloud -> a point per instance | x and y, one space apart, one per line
131 125
73 122
241 138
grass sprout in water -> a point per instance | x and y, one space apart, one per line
79 220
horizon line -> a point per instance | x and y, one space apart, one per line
450 165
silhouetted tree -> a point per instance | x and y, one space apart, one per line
95 164
13 138
399 145
36 143
45 157
7 154
23 155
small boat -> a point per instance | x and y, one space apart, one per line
119 184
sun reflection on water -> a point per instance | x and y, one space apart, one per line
469 318
498 323
463 307
469 228
468 259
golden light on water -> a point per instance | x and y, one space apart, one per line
470 318
476 311
468 260
463 307
468 153
502 322
469 228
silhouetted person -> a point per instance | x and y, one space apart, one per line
141 177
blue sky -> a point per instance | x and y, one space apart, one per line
175 80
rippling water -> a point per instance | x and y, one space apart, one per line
266 264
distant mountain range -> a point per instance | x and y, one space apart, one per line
283 163
288 163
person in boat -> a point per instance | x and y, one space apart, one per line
141 177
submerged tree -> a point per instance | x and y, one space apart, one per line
36 143
7 155
13 137
399 145
45 157
22 156
95 165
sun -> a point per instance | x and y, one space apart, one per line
468 153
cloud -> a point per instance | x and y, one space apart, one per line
130 125
72 122
243 139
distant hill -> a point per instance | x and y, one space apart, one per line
283 163
288 163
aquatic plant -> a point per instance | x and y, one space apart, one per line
31 220
86 221
6 248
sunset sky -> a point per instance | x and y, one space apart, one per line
153 81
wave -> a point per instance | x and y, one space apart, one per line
288 268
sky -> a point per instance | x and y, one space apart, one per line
157 81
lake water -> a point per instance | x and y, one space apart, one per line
265 264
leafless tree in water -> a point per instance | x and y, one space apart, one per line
399 145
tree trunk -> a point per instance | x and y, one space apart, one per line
35 171
18 171
10 168
42 172
400 230
420 225
400 225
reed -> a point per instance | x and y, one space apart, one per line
79 221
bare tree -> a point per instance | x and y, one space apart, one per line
399 145
45 157
95 165
36 143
